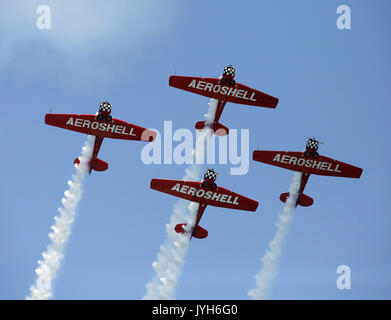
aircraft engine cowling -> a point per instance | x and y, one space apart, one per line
229 71
312 144
105 107
210 175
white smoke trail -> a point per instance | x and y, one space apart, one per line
54 254
171 258
209 117
265 278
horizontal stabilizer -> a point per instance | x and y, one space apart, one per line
198 232
303 200
218 128
99 165
179 228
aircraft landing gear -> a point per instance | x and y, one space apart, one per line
212 185
205 184
309 153
230 82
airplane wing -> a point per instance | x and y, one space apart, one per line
211 87
296 161
193 191
89 124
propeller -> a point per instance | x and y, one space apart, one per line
314 139
216 173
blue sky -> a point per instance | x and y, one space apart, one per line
332 84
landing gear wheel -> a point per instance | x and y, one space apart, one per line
307 154
100 117
224 81
232 82
109 118
315 155
205 184
213 186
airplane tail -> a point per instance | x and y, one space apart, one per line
98 165
198 232
303 200
218 128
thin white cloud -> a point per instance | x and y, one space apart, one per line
83 29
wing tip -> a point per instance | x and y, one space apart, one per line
359 172
153 184
256 204
47 118
148 135
276 101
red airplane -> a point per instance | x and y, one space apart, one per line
101 126
205 193
224 89
308 162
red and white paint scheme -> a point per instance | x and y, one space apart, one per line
101 126
308 162
225 89
205 193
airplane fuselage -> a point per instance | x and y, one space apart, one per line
209 183
312 152
95 151
221 103
219 111
200 212
303 183
101 117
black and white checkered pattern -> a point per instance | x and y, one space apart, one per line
105 107
210 174
312 144
229 71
